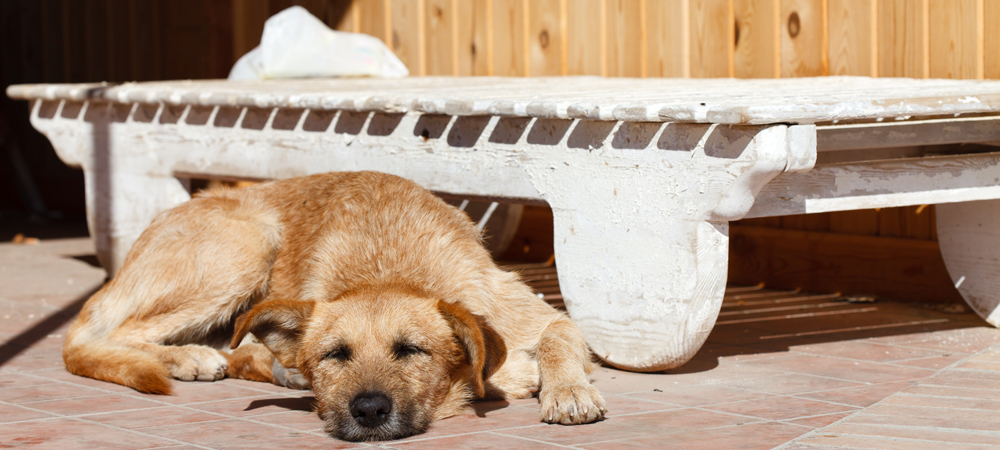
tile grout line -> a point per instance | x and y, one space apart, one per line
818 415
673 432
820 355
897 439
61 416
819 430
984 433
532 440
184 406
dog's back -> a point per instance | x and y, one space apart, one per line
200 264
341 230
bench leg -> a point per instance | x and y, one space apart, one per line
121 205
642 237
645 293
969 235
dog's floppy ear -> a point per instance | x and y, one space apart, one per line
484 348
277 324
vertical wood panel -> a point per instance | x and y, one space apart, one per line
668 39
51 36
473 27
852 41
901 39
147 61
757 39
406 34
586 52
991 39
625 38
508 38
906 222
374 18
863 221
440 41
95 26
119 41
953 39
347 19
248 24
712 36
802 51
545 37
806 222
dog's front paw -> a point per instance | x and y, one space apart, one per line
197 362
571 404
290 378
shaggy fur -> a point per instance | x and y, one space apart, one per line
363 285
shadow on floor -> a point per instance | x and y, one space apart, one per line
291 404
759 321
10 349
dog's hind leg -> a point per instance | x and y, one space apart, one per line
188 275
566 396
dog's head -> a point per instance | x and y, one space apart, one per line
383 362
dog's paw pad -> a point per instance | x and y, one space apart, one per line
197 362
571 404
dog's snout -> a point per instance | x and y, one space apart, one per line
371 409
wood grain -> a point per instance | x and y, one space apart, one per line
586 34
712 36
546 37
805 222
248 24
508 38
439 38
406 34
991 39
853 39
668 38
625 57
473 37
864 221
902 39
757 39
119 40
802 28
953 40
900 269
912 222
374 18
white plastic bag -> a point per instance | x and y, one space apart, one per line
295 44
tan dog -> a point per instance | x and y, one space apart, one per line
364 286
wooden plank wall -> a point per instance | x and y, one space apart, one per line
666 38
67 41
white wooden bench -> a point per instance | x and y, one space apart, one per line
643 175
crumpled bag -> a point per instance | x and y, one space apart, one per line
295 44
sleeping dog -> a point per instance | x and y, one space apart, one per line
362 286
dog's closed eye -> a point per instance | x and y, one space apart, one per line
404 350
340 353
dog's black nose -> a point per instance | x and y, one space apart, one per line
371 409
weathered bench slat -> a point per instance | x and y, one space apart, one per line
763 101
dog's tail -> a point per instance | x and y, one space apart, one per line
116 363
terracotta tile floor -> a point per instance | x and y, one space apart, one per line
781 369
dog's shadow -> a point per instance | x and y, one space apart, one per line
482 407
289 403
